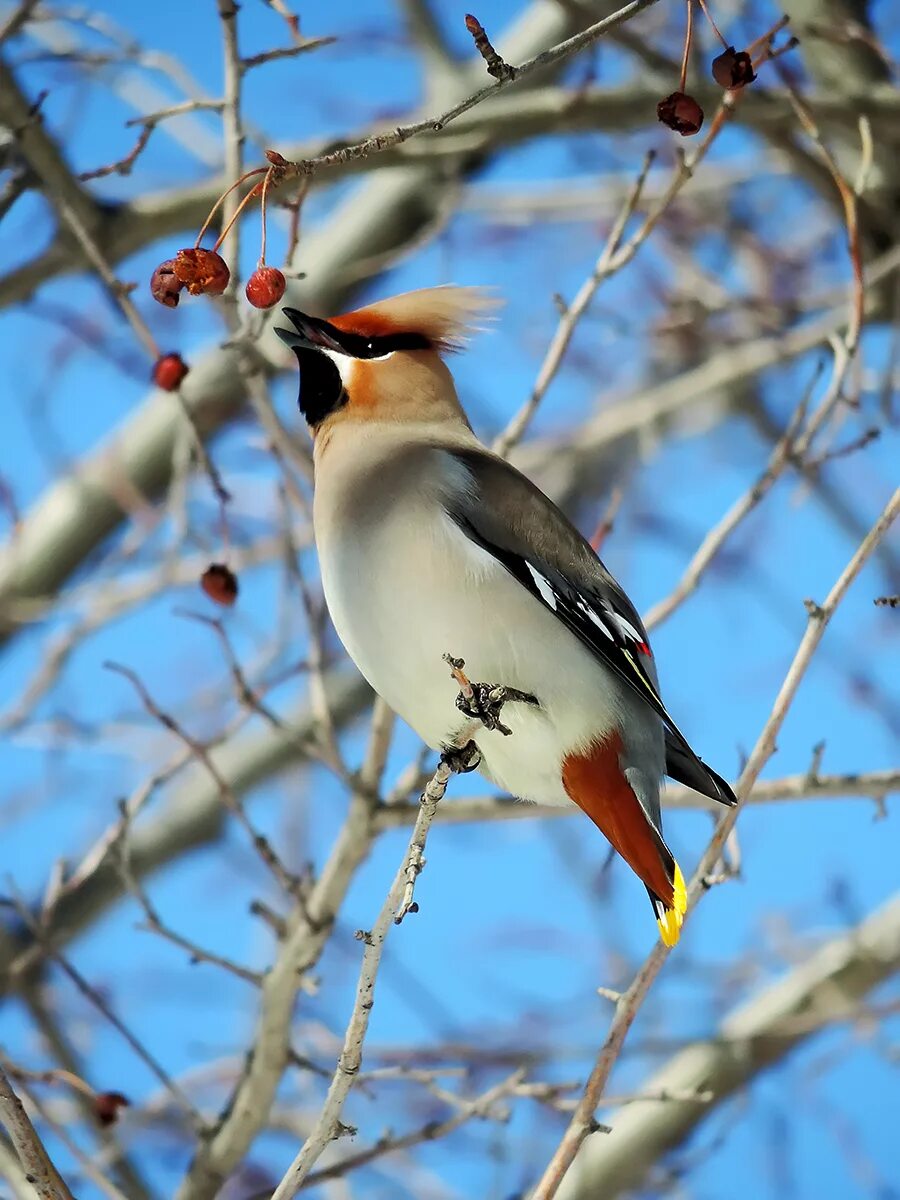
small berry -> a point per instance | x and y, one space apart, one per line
681 113
202 272
164 287
733 68
220 584
107 1105
265 287
168 371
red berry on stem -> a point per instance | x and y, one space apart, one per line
202 272
265 287
164 287
680 112
168 371
220 584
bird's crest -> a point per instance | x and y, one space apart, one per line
446 316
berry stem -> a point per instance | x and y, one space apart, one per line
688 37
254 191
715 27
262 213
221 200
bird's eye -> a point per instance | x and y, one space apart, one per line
370 347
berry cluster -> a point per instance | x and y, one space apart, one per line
732 70
204 272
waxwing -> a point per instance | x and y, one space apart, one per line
431 544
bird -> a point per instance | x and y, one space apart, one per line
430 544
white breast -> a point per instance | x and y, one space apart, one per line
405 586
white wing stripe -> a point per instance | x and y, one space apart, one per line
627 628
547 593
598 621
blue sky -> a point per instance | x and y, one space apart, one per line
520 922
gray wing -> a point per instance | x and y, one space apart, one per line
508 516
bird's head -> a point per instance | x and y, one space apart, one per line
383 362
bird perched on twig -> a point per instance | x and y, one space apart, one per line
430 543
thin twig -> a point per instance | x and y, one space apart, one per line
328 1123
100 1002
116 288
573 313
376 143
631 1000
233 128
203 756
155 922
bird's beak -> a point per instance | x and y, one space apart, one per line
312 333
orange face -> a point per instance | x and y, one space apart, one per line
383 362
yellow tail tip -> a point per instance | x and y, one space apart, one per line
680 902
671 920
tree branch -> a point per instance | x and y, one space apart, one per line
46 1181
194 816
822 991
504 121
627 1008
80 511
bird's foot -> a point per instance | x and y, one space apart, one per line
461 759
484 702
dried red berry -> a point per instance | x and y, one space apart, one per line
169 370
265 287
220 584
202 272
164 287
733 68
681 113
107 1105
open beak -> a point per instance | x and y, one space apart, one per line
312 333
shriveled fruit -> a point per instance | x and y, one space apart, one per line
733 68
680 112
164 285
203 272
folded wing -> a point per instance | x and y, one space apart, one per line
506 515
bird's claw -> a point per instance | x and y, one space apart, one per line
461 759
484 702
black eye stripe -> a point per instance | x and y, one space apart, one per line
360 346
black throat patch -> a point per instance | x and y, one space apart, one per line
321 387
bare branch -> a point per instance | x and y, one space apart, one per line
819 617
79 512
193 816
869 785
328 1123
571 315
41 1175
823 990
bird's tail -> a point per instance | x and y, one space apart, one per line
597 784
669 917
683 765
